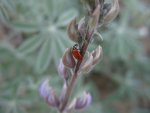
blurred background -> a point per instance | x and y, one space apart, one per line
33 38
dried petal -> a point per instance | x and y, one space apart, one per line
83 101
68 59
98 35
91 4
106 8
73 31
82 27
93 22
97 54
87 64
47 93
63 71
112 13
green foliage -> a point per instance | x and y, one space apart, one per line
123 60
47 20
42 25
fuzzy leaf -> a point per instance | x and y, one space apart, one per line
44 57
25 27
4 14
66 17
31 44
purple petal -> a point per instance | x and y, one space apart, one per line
83 101
47 93
44 89
63 92
63 71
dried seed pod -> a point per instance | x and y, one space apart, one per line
48 94
93 58
87 64
63 71
97 55
73 31
68 59
91 5
112 13
93 21
82 27
106 8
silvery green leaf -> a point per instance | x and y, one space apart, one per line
44 56
31 44
9 4
66 17
25 27
4 15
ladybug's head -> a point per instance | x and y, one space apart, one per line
76 46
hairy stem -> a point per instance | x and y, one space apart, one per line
74 78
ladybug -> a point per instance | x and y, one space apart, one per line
76 52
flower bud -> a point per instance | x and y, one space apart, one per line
97 54
83 101
47 93
68 59
112 13
63 71
80 103
73 31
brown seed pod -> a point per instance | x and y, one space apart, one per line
97 55
112 13
68 59
73 31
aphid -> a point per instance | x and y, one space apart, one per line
76 52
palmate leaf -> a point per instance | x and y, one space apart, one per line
9 4
41 16
66 17
58 46
122 43
25 27
31 44
44 56
123 47
4 15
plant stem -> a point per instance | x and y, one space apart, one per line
68 92
74 78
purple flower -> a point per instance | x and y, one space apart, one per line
63 71
47 93
83 101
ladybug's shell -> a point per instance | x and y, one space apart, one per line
76 53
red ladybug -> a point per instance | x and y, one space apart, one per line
76 52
